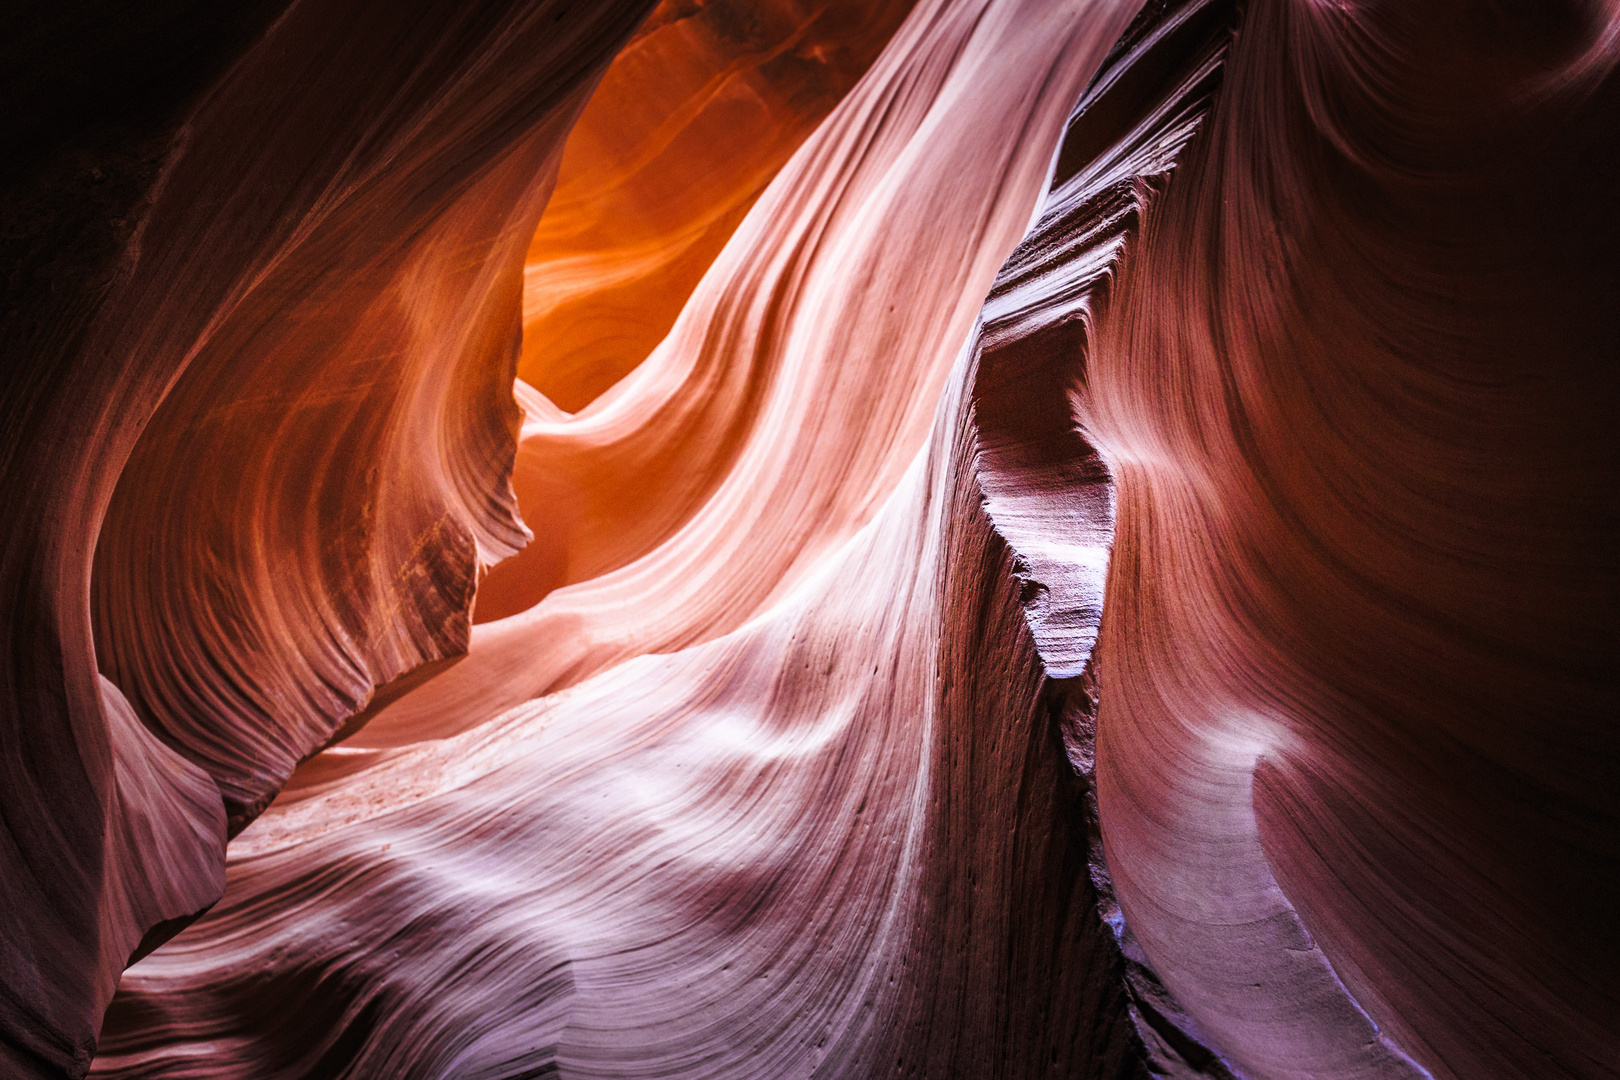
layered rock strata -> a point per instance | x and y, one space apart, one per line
692 120
1105 589
271 402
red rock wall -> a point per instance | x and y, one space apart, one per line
1087 551
690 123
1358 403
688 126
288 401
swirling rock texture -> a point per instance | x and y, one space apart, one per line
695 116
281 382
1355 751
1109 571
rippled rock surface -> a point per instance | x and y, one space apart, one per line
1008 538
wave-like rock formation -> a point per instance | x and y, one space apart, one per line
1066 539
692 120
276 416
795 389
802 817
1356 745
694 117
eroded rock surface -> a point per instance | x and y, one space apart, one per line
1066 539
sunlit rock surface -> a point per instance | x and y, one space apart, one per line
803 815
1068 539
692 120
798 384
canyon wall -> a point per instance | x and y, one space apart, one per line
1032 538
282 382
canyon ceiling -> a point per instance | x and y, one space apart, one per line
810 538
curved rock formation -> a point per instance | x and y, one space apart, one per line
692 120
695 116
797 385
1359 659
1343 370
794 811
1160 626
293 366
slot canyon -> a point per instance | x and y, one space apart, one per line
754 539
